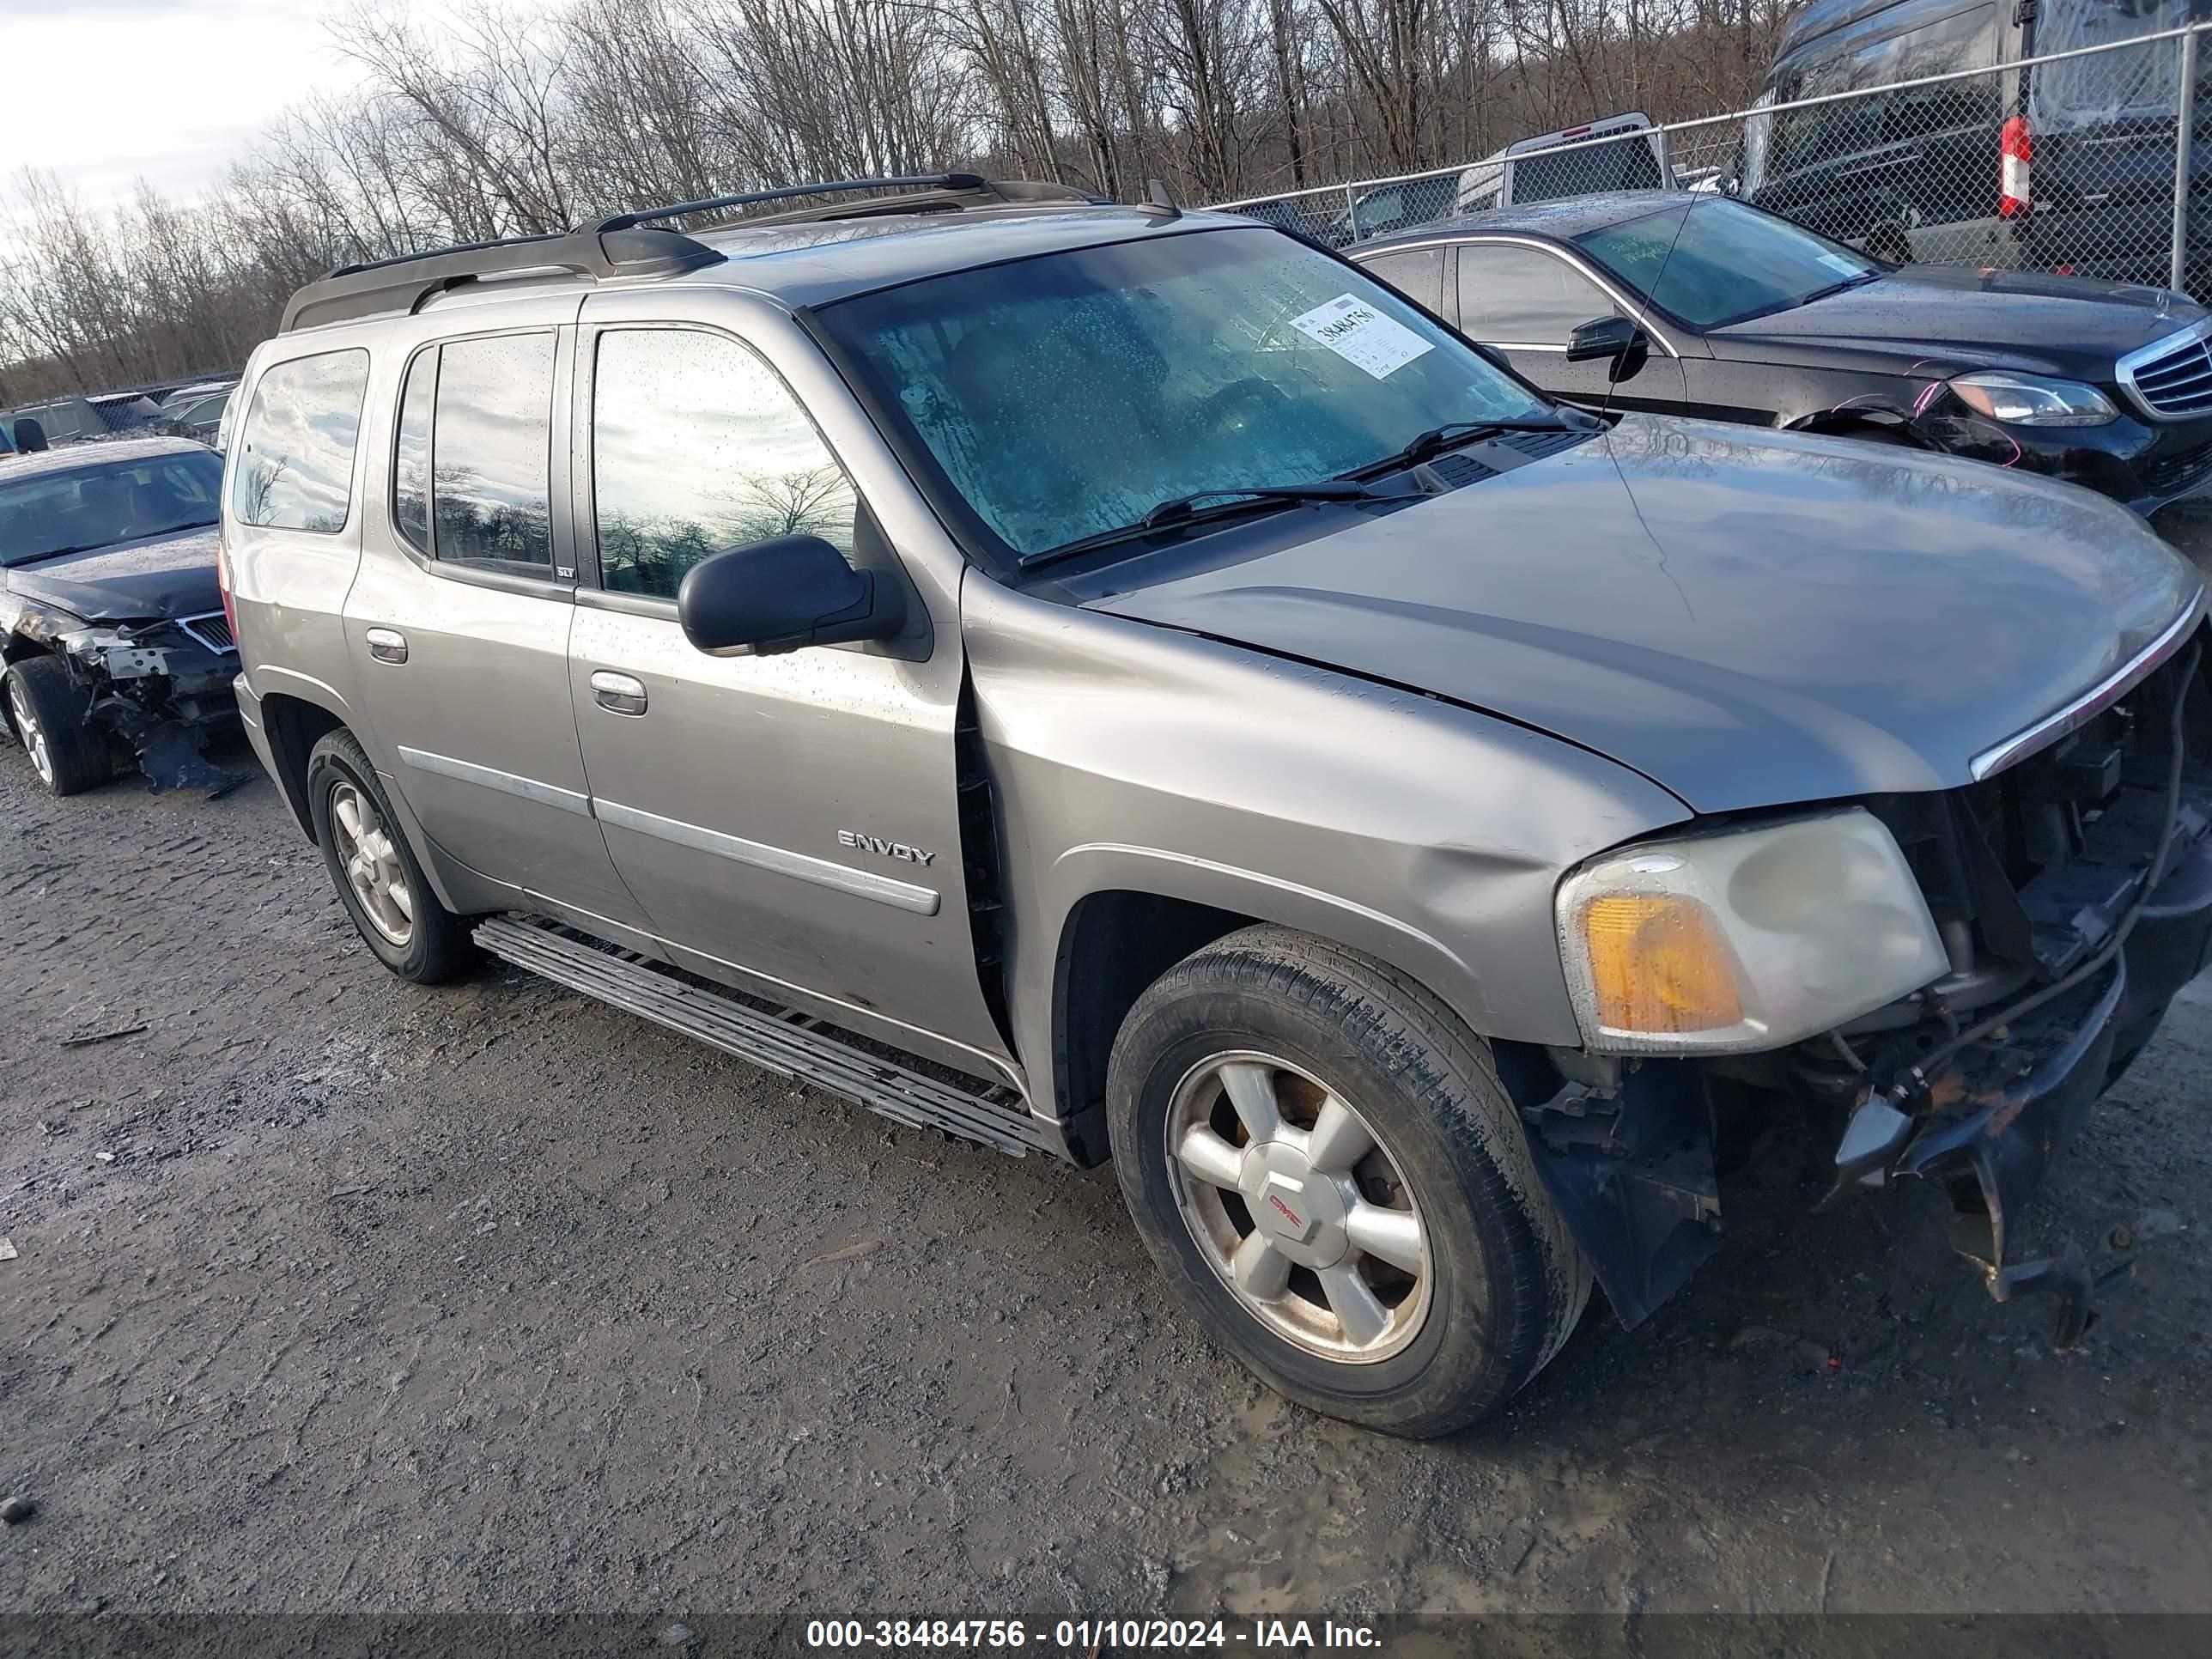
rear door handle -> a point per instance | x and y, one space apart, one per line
388 645
618 694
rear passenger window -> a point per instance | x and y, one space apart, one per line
490 462
292 469
696 446
1419 274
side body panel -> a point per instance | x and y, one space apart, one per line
794 816
289 587
1138 758
473 725
1788 395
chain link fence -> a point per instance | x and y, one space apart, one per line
2093 161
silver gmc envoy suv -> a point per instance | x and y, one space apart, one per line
1119 682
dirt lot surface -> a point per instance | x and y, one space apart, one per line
330 1292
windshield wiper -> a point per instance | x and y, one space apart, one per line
54 553
1451 435
1178 510
94 547
1859 280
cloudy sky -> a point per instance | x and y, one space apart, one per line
104 91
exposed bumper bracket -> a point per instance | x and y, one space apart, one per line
2067 1277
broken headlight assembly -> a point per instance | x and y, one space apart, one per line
1744 940
2032 400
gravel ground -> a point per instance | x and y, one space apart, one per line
334 1293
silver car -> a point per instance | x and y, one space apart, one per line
1117 682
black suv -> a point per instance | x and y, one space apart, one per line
2066 166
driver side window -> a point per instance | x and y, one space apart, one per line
1519 296
697 446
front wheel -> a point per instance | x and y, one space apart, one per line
52 719
1324 1166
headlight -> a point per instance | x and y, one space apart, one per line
2031 400
1745 941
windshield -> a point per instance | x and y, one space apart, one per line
58 512
1068 395
1714 262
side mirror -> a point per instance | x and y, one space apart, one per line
780 595
1615 337
30 436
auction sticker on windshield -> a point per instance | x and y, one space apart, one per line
1360 334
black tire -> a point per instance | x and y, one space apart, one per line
437 945
1506 1282
77 757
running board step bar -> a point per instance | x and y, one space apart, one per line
783 1040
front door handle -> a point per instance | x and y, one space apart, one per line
388 645
618 694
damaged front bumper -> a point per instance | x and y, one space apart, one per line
163 687
2003 1111
2063 966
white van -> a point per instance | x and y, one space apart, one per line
1638 162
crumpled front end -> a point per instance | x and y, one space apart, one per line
161 687
2075 890
2072 892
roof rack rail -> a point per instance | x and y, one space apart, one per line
401 285
927 193
631 245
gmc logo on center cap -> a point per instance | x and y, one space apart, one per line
1289 1214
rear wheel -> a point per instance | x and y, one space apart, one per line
1328 1172
379 881
51 717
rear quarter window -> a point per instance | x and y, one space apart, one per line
293 465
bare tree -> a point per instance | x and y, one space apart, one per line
484 119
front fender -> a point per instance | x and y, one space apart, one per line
1104 866
1130 758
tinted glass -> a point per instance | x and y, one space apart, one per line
50 512
410 476
2095 91
1068 394
494 440
697 446
1419 274
1629 164
294 468
1521 296
1717 262
1920 38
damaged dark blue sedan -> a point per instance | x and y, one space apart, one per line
112 622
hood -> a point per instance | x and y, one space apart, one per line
1986 318
1748 619
166 577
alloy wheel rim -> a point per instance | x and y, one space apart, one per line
371 862
27 728
1299 1208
